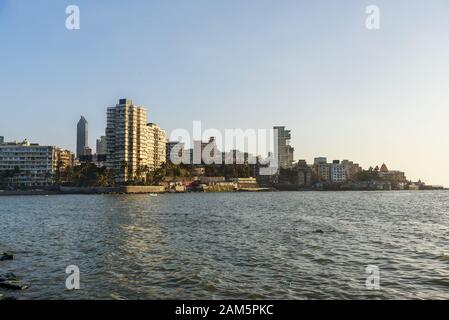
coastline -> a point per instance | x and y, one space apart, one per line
126 190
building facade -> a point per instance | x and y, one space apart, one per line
352 169
282 147
23 164
82 136
157 146
178 152
392 175
127 141
304 174
64 158
322 169
337 172
101 146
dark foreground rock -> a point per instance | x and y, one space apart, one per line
10 281
6 256
8 277
13 285
3 298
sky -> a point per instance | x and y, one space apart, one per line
346 92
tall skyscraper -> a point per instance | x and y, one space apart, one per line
81 137
127 141
282 147
2 140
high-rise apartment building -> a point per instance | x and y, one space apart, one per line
127 141
282 147
81 137
157 146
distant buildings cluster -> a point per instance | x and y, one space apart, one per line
132 148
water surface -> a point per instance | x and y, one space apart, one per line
229 245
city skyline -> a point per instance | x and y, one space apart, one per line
377 96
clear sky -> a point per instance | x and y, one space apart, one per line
346 92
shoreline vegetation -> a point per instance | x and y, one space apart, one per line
91 192
87 178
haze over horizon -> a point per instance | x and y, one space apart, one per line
345 92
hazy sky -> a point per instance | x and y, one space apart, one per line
346 92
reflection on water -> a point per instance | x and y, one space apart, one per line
230 245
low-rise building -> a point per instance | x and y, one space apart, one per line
64 158
212 180
304 174
174 152
337 172
24 164
352 169
321 169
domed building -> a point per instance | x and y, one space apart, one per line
383 168
393 175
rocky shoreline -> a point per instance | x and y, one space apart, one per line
9 281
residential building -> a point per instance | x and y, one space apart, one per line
304 174
203 153
87 151
320 160
2 139
157 146
81 136
99 160
236 157
101 146
352 169
64 158
24 164
322 169
128 141
337 172
178 151
282 147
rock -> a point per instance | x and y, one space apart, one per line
13 285
6 256
318 231
8 277
3 298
